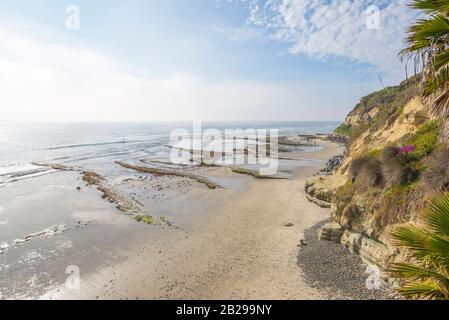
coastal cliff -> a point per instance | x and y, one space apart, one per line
392 167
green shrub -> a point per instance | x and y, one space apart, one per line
376 153
402 167
425 139
399 193
390 101
356 132
344 130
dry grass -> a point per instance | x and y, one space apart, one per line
356 167
398 204
394 173
367 170
397 170
389 153
436 177
371 173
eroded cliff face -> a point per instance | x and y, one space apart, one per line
405 122
370 194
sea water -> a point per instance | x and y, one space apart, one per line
96 146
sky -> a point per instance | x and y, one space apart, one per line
209 60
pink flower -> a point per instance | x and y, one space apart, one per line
407 149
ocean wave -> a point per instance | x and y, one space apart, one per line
71 146
19 172
101 155
33 171
20 176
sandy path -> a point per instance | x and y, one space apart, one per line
243 250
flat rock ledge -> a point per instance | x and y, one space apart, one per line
318 202
321 189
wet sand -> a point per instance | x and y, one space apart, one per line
246 247
237 242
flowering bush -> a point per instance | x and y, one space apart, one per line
406 150
408 154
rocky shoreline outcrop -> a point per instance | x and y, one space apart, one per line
332 165
321 190
380 120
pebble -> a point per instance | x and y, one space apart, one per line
328 265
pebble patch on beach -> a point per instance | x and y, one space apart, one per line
330 266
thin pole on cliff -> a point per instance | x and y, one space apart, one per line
381 81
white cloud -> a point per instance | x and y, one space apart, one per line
239 34
47 81
323 29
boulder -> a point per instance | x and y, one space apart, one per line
331 232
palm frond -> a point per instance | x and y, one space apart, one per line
435 83
437 216
427 276
439 248
427 290
434 29
431 6
442 60
427 46
410 271
412 238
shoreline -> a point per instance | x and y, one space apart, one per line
247 246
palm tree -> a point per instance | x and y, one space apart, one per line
428 47
427 276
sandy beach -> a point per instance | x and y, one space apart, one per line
227 150
238 242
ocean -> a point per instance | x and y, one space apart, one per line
95 146
51 219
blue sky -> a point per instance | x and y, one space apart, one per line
197 59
